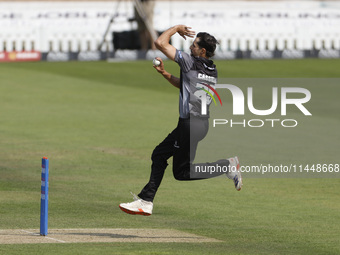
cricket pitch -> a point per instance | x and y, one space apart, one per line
25 236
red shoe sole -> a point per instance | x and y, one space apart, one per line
133 212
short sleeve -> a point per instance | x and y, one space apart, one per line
184 60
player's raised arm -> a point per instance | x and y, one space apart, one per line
162 42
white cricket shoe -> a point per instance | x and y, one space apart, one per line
138 206
234 172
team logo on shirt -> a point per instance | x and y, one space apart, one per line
205 93
210 91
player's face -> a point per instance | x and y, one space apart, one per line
196 51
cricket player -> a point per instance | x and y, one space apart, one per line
197 71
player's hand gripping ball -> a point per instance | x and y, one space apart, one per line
156 62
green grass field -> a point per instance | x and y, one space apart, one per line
98 123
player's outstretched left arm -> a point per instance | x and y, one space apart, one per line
162 42
168 76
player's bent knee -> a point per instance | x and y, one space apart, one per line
156 156
181 176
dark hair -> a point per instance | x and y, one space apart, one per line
208 42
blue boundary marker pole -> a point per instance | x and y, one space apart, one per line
44 197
